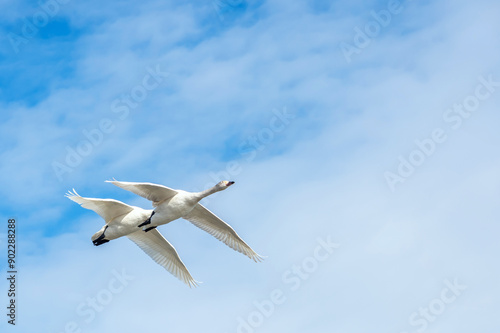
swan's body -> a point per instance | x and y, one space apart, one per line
122 220
174 204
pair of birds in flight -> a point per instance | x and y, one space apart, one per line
169 205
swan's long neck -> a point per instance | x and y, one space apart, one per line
206 193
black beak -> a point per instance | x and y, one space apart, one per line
230 183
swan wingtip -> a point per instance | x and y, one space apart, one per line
259 258
71 193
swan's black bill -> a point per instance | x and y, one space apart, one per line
229 183
100 240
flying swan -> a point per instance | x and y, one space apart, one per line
122 220
172 204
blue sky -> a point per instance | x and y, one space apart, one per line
371 125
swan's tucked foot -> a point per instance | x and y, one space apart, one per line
150 228
148 221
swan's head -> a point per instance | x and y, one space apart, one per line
223 185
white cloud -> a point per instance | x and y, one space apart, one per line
353 121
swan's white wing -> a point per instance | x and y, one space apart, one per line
208 221
153 192
108 209
163 253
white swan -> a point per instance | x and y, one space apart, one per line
174 204
121 220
